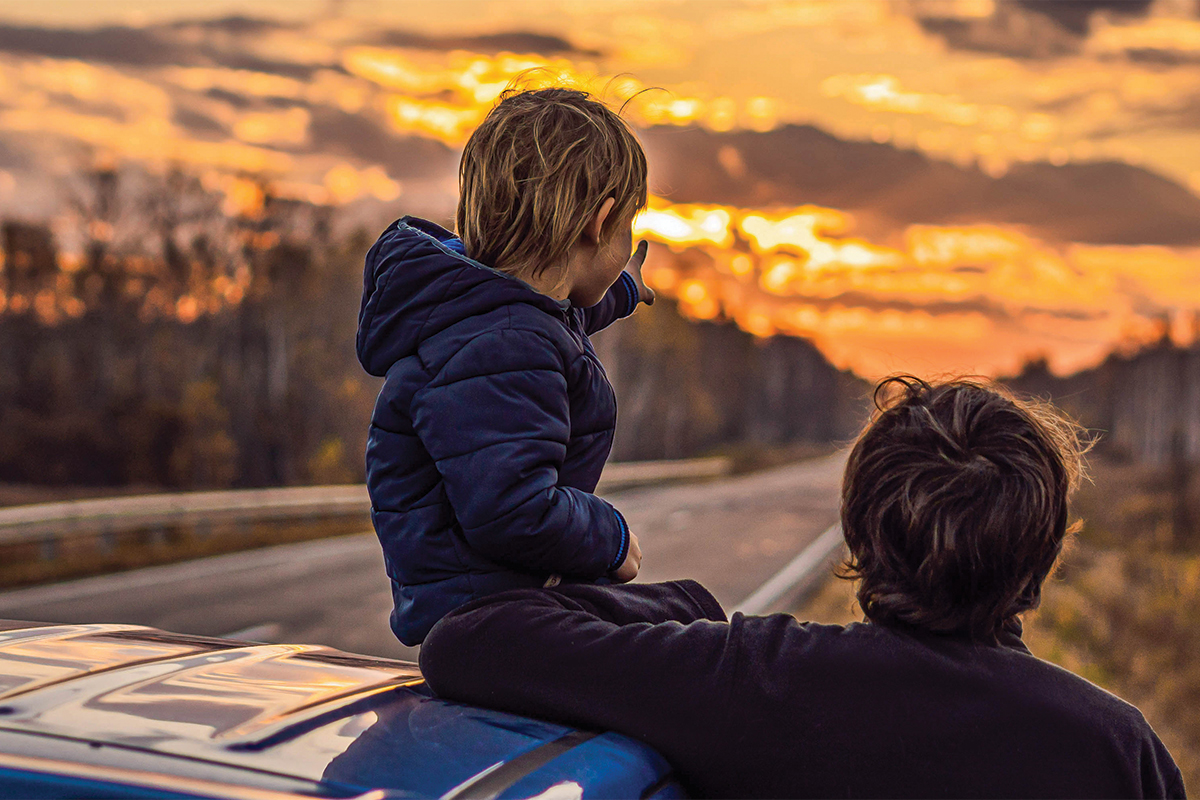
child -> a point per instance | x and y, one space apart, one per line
496 417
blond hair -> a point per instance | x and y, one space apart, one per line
536 170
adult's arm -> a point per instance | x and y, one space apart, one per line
496 421
1160 775
652 661
619 301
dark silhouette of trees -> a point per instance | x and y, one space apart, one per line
177 343
172 333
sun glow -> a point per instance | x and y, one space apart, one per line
323 112
970 298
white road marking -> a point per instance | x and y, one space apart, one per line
801 569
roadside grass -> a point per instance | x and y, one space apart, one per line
1123 610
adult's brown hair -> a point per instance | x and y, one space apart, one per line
954 504
537 170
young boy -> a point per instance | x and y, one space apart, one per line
496 417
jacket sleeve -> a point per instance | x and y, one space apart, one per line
620 301
645 660
496 421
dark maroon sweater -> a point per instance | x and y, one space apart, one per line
772 707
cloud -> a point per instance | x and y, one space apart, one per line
356 136
235 24
233 59
1075 15
1032 29
145 47
197 123
1101 203
974 305
232 98
1166 58
1010 31
511 41
110 45
10 158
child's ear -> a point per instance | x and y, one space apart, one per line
591 232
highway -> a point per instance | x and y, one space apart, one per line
731 534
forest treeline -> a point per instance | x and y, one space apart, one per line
1145 405
1143 411
166 333
182 343
170 334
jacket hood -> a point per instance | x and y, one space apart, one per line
416 284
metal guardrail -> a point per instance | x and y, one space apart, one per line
50 522
86 517
799 575
627 474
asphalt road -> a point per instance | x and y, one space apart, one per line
731 534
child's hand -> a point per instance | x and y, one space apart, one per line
633 562
634 268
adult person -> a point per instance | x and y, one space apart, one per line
954 508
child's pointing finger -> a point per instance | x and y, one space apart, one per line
634 268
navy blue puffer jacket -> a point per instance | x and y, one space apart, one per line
490 431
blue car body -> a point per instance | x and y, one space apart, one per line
129 711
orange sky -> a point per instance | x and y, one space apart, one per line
979 86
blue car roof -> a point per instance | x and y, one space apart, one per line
295 718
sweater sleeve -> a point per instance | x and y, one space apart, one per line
496 421
1160 775
620 301
652 661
